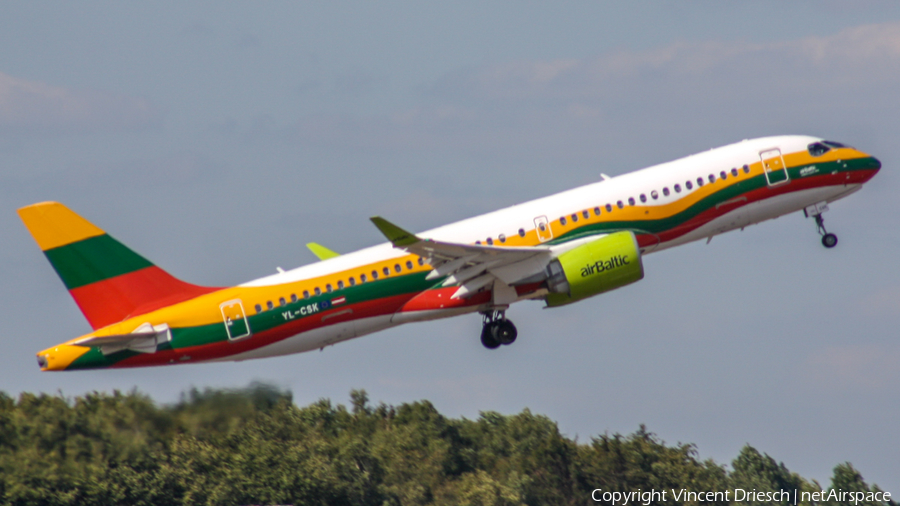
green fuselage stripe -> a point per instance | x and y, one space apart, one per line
734 190
267 320
94 259
185 337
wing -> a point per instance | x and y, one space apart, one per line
473 266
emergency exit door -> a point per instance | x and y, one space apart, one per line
235 319
773 165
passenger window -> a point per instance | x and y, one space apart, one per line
677 188
734 172
574 218
293 297
269 304
502 238
258 308
397 268
643 198
630 201
746 169
597 211
317 291
409 265
562 221
723 175
712 178
654 195
666 191
542 227
478 243
490 241
281 301
585 214
362 278
619 204
305 294
421 261
688 185
699 182
340 284
374 275
386 271
328 287
352 281
522 232
608 208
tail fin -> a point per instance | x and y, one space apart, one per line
108 281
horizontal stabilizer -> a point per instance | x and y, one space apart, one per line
114 339
321 252
144 339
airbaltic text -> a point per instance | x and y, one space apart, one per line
604 265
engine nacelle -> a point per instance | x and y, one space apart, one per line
599 266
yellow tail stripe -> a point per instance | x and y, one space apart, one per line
53 225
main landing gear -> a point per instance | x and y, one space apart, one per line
497 329
829 240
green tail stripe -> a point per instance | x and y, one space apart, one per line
94 259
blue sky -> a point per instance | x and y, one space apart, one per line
218 139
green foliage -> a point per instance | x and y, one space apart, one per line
254 446
642 461
754 471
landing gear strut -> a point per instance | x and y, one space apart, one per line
829 240
497 329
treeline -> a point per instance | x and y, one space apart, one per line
254 446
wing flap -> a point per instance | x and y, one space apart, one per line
472 266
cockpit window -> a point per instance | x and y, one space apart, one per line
817 149
835 144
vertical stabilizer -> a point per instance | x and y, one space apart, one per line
108 281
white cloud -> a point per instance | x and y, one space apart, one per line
854 54
36 107
868 366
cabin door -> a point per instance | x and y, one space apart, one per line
235 319
542 227
773 165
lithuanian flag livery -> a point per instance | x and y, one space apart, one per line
108 281
542 249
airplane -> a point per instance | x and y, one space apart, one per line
559 249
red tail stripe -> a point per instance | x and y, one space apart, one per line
114 299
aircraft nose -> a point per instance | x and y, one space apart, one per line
874 165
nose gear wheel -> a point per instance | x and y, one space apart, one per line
829 240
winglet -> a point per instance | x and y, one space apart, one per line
321 251
399 237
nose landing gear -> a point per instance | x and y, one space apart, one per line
829 240
497 329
